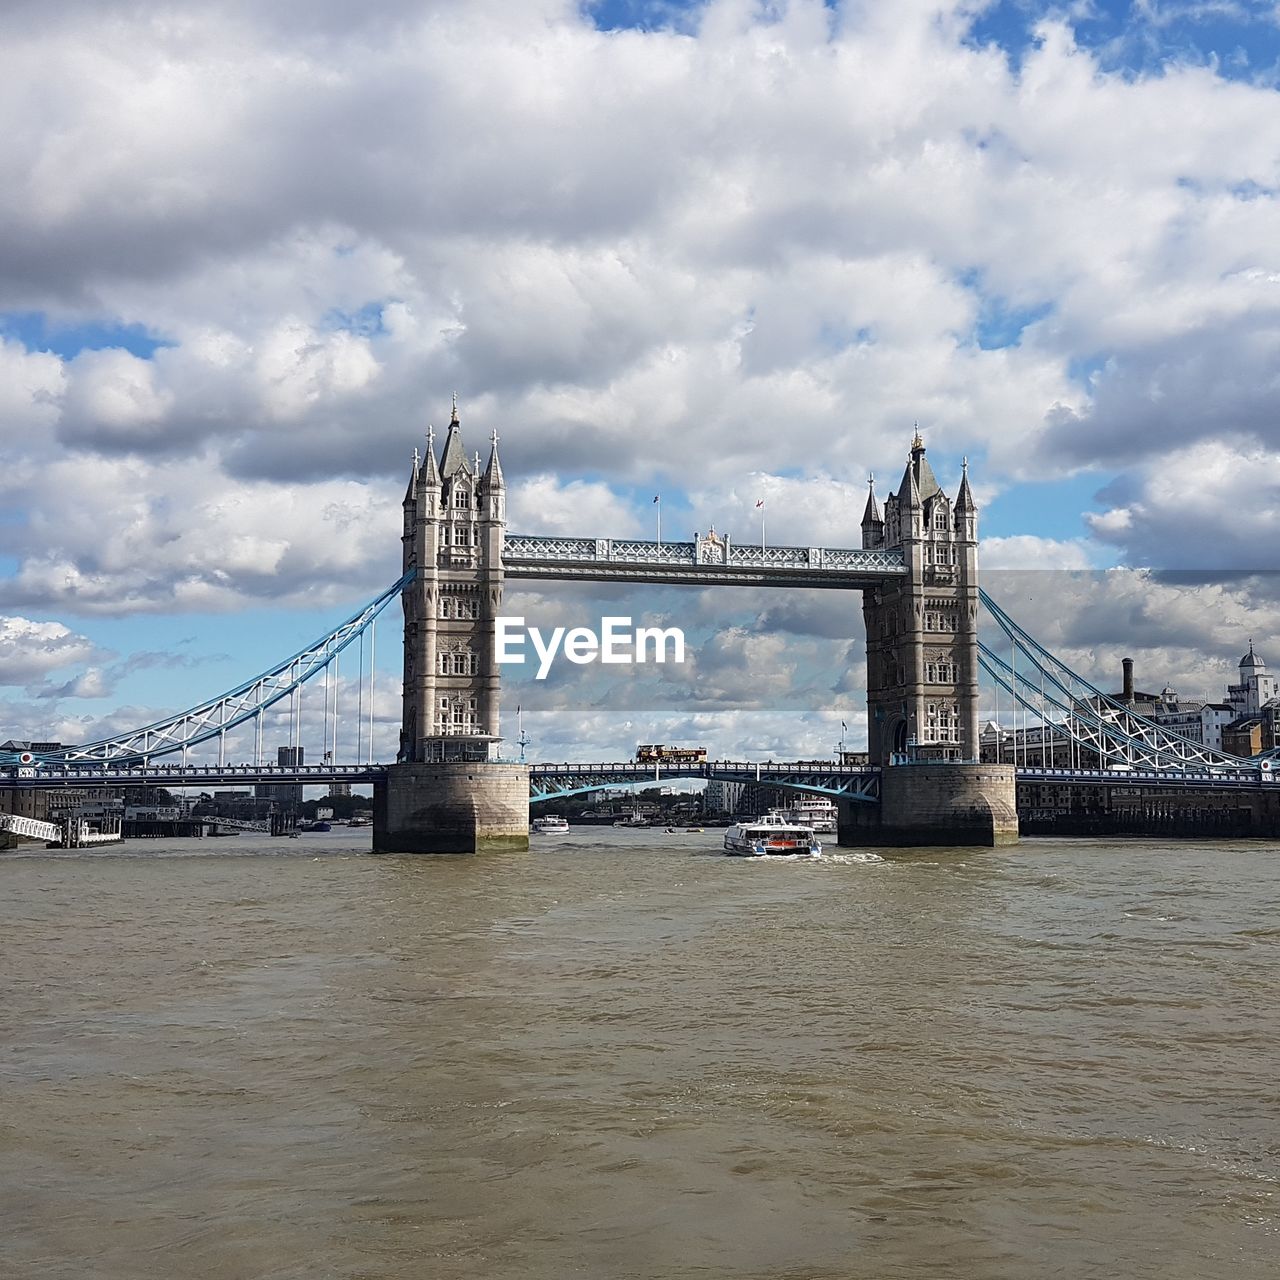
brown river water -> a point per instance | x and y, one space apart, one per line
620 1055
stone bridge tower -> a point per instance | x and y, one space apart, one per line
454 517
922 629
448 792
922 676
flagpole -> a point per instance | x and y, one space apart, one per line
657 502
762 526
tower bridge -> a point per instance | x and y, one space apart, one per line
917 571
450 789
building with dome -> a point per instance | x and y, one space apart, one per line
1256 687
1255 703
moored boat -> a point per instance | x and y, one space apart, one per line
812 811
773 835
549 823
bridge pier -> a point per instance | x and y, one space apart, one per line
936 804
451 807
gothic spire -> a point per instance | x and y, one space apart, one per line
964 499
926 481
493 472
454 458
871 516
909 490
412 491
430 476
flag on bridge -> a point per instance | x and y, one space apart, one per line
760 503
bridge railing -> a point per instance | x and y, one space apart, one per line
704 553
1127 777
763 767
178 775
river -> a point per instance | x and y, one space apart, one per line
620 1055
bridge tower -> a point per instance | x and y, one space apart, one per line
454 517
448 791
922 629
922 675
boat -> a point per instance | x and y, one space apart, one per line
314 826
812 811
634 819
550 823
772 835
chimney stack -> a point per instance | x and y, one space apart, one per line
1127 695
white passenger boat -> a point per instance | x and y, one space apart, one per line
551 823
773 835
813 811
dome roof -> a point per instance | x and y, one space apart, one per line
1251 659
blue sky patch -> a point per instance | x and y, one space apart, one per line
38 332
367 321
1048 508
1241 43
1001 325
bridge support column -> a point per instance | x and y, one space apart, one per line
451 808
936 804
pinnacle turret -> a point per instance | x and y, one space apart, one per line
430 475
454 458
493 472
909 489
964 499
871 516
411 493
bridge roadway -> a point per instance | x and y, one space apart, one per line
185 775
545 780
551 781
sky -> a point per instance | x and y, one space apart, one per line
718 251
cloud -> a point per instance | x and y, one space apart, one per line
734 256
129 536
1026 551
1187 631
30 650
31 385
1211 505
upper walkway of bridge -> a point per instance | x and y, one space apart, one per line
711 559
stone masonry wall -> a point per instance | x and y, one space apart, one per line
937 804
451 808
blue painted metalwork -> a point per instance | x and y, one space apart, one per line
842 782
225 711
1100 723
